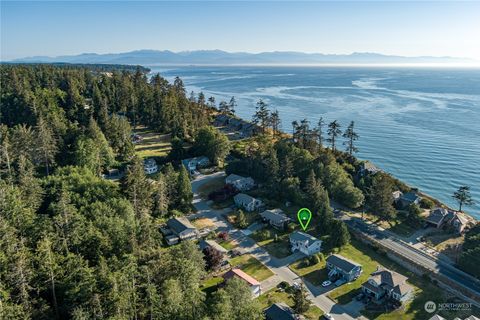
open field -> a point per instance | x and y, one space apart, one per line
274 295
153 144
209 285
212 185
229 244
203 223
279 249
314 274
252 266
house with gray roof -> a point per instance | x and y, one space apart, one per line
367 168
280 311
247 202
408 199
183 228
438 217
459 222
240 183
276 218
193 164
212 244
385 283
340 267
305 243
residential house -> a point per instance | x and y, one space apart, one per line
396 195
193 164
438 217
367 168
150 166
214 245
280 311
340 267
384 283
240 183
408 199
252 282
183 228
276 218
247 202
305 243
459 222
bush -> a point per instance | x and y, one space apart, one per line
223 235
426 203
314 260
283 285
264 234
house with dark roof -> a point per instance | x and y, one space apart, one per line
240 183
384 283
247 202
192 164
305 243
340 267
280 311
438 217
276 218
251 281
203 244
183 228
408 199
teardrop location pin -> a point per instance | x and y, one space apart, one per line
304 216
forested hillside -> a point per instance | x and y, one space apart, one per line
75 245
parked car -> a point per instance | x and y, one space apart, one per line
326 283
328 316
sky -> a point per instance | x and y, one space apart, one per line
433 28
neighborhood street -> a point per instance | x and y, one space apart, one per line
278 266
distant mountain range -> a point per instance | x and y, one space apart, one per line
218 57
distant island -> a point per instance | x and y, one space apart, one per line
219 57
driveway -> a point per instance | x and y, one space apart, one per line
278 266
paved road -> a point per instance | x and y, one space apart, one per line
430 262
278 266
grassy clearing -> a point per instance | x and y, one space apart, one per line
274 296
229 244
210 285
203 223
153 144
314 274
279 249
252 266
212 185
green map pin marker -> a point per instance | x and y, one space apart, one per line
304 216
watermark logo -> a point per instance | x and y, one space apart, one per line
430 306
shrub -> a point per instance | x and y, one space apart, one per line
426 203
314 260
223 235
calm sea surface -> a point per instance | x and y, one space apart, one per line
421 125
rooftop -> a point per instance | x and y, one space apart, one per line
342 263
180 224
276 215
436 215
280 311
242 197
242 275
302 236
213 244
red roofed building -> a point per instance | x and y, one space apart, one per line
251 281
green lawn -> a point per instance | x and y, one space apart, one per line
315 274
273 296
414 309
229 244
252 266
279 249
210 285
153 144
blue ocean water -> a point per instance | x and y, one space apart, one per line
420 124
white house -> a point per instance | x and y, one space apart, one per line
183 228
150 166
192 164
239 182
252 282
305 243
247 202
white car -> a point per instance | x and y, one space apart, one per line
326 283
328 316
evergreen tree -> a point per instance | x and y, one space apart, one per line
242 222
463 197
333 132
47 144
320 124
232 105
184 191
160 195
275 122
351 137
137 188
380 198
301 304
262 115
